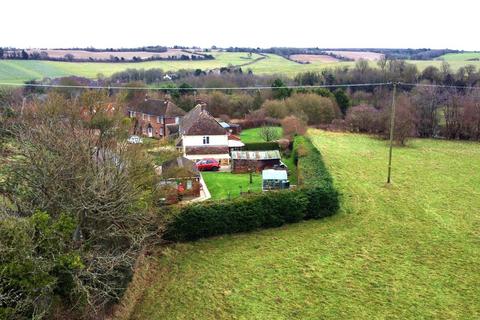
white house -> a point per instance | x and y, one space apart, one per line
202 137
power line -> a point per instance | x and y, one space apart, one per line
191 89
437 85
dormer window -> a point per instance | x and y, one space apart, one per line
206 140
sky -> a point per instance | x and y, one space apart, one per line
250 23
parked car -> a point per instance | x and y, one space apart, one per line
135 139
208 165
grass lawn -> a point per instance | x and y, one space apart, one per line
220 184
409 251
253 135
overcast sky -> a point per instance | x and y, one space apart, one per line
253 23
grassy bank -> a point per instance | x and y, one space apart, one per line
408 251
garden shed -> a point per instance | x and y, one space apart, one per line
274 179
247 161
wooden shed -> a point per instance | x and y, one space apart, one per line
247 161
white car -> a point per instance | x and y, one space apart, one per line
135 139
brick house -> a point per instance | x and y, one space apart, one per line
182 177
155 118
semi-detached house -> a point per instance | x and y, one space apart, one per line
155 118
202 137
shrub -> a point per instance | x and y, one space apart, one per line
275 108
293 126
316 109
260 146
364 118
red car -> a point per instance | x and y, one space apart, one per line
208 165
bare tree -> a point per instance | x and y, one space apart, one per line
73 160
269 133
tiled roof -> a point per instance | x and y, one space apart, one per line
199 122
181 162
156 107
206 150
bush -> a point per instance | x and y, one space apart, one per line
365 118
313 108
260 146
293 126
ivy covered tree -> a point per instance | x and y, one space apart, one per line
342 100
279 90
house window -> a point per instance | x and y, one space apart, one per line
148 117
189 184
143 116
206 140
158 119
132 114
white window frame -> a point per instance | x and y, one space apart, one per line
206 140
159 119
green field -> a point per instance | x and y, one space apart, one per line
460 56
18 71
223 184
21 70
409 251
253 135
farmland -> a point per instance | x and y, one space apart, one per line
105 55
22 70
406 251
467 56
357 55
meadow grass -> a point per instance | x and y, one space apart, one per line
406 251
224 184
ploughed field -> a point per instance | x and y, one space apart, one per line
407 251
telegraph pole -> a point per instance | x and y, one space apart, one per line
392 128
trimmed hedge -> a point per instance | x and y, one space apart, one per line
311 169
263 210
317 198
261 146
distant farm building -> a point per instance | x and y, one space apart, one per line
247 161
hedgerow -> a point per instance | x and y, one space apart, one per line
261 146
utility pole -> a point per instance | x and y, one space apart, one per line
392 128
